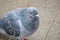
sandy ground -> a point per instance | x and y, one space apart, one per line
49 12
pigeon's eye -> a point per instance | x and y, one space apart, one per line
30 12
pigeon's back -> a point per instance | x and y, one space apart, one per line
9 24
1 27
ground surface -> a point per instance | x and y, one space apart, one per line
49 12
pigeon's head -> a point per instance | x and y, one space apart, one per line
31 13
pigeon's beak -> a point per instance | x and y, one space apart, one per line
37 15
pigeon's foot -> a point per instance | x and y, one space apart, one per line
24 38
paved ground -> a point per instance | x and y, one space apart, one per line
49 12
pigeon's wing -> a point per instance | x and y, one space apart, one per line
1 24
10 24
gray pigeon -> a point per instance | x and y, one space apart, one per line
20 22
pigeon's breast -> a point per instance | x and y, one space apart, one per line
23 32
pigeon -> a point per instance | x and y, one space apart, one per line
20 22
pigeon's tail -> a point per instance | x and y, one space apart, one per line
1 23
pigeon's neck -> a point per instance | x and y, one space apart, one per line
27 24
